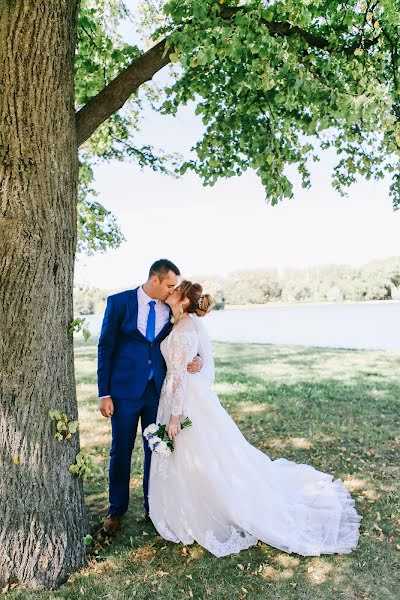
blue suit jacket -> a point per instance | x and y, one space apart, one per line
125 355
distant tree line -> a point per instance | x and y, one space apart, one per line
377 280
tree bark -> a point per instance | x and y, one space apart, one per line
42 518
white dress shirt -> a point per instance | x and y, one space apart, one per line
161 310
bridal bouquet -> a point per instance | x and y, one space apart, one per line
158 439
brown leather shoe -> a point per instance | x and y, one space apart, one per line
111 524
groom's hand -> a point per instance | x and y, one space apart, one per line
195 366
106 406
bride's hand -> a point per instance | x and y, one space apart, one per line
195 365
174 426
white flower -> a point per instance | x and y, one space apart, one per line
163 449
154 441
150 430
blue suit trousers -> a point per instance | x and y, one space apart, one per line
124 423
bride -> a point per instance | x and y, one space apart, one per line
216 488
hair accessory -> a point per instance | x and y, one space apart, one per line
200 302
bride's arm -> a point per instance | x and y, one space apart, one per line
180 345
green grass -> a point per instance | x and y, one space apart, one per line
335 409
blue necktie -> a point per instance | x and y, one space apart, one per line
151 327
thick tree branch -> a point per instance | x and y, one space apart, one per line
116 93
285 29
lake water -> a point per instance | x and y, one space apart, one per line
358 325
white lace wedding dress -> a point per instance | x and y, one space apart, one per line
222 492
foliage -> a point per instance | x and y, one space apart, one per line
377 280
77 325
252 287
83 467
274 83
274 80
390 268
212 285
101 54
97 227
65 427
88 539
90 300
83 301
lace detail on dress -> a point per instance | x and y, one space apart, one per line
238 540
178 349
161 464
165 531
180 346
220 491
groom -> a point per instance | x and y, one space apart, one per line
130 374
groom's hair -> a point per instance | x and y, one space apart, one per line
162 267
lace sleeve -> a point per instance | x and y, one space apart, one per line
180 346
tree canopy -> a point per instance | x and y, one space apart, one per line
273 82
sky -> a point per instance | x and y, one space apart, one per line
230 226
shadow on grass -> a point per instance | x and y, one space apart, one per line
334 409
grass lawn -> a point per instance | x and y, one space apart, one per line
335 409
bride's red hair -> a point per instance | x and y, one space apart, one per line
200 303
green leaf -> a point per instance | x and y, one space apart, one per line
174 57
54 413
73 426
86 334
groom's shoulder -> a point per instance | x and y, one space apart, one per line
121 297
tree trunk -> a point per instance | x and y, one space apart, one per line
42 518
